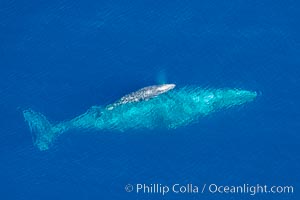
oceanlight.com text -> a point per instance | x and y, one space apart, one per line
176 188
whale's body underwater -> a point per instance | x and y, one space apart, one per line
169 109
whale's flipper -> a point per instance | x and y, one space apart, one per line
42 131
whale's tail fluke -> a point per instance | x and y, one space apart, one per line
42 131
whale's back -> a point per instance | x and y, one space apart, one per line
143 94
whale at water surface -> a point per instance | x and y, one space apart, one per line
143 94
168 108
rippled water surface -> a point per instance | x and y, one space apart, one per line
62 57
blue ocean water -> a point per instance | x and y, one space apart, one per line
62 57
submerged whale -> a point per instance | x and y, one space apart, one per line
165 108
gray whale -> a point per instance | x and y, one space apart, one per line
169 110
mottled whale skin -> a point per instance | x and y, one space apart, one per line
170 109
143 94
